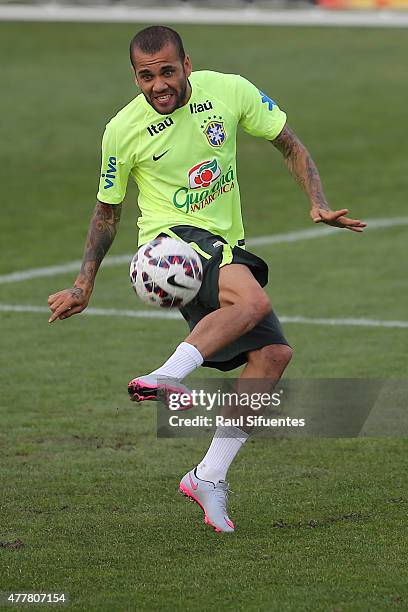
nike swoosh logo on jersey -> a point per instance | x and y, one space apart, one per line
193 484
157 157
172 281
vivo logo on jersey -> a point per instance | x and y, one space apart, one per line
110 173
156 128
200 108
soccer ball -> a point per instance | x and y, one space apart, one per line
166 272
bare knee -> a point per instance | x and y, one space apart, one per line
271 360
256 306
238 287
279 354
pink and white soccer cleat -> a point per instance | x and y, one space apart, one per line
175 395
212 498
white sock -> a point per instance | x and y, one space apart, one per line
224 446
185 359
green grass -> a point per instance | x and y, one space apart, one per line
85 483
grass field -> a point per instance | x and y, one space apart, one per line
85 484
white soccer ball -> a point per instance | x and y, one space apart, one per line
166 272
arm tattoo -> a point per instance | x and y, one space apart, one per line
301 166
101 233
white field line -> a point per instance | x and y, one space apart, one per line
196 15
101 312
116 260
322 231
346 322
159 314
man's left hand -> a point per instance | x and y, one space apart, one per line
337 218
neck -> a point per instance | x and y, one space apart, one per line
188 93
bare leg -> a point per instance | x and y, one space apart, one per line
240 295
243 304
262 372
265 367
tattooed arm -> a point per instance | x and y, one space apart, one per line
305 173
101 233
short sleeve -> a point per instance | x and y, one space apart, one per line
259 114
115 169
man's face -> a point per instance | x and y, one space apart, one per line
163 78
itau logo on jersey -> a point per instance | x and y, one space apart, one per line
203 174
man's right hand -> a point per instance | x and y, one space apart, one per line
68 302
101 233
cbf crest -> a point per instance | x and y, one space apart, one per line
215 131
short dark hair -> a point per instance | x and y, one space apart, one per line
153 39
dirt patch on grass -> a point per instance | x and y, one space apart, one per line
14 545
44 510
96 442
324 522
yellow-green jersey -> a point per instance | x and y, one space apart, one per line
185 163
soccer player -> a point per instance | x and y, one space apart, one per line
178 141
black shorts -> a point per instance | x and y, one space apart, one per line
214 253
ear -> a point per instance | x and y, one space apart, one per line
188 68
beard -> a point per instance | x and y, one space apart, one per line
180 97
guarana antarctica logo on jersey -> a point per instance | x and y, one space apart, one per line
206 182
203 174
214 130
